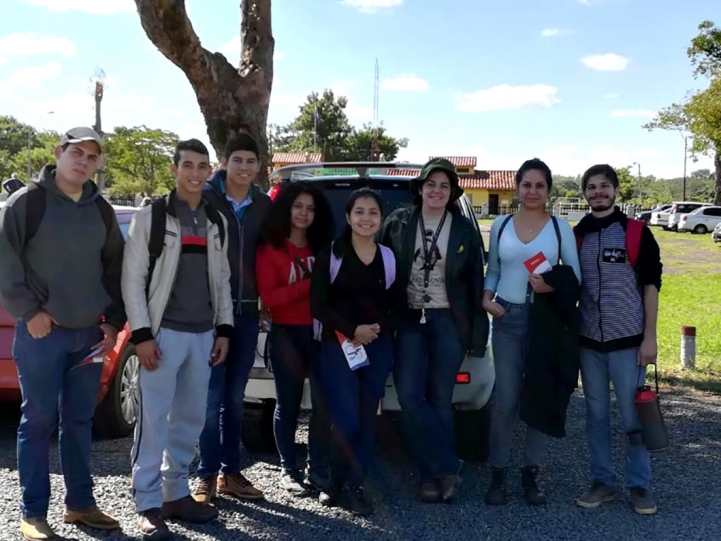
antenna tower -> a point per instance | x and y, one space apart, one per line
375 154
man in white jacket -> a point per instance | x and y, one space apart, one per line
181 315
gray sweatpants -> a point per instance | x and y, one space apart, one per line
173 401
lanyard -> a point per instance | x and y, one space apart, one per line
428 251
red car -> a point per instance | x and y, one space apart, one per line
118 399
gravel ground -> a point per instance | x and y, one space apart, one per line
685 486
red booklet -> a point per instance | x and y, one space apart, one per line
538 264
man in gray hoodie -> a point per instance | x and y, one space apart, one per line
61 253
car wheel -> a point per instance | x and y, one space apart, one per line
116 415
257 431
666 228
472 429
700 229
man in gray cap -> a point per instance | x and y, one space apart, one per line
61 255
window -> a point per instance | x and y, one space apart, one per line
713 211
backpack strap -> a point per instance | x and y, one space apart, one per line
634 232
35 210
107 213
389 264
215 218
335 262
579 241
156 241
558 235
504 223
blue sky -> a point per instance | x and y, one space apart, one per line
569 81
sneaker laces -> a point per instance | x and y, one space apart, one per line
204 486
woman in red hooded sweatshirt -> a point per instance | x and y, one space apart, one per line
299 224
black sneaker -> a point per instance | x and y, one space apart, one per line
331 495
532 494
317 481
642 500
496 494
292 482
358 503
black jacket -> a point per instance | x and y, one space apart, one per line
243 238
464 271
553 357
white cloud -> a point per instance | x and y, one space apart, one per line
3 60
95 7
507 97
342 88
605 62
636 113
612 96
232 48
359 115
372 6
32 43
550 32
6 91
286 100
405 83
35 76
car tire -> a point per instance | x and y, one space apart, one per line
116 415
257 431
700 229
472 428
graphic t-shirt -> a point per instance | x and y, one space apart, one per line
435 295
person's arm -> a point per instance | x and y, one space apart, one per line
569 249
650 270
112 259
479 337
271 289
396 300
17 298
224 318
320 298
493 273
136 261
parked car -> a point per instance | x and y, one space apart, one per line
716 235
476 377
645 216
701 220
668 219
118 398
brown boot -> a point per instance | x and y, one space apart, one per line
238 486
92 517
188 510
36 529
206 489
152 526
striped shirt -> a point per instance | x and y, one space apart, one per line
189 308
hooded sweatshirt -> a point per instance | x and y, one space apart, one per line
70 268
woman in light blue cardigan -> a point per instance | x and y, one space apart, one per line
522 247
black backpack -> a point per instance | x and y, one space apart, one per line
35 211
156 242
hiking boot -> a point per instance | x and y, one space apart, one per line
358 503
188 510
92 517
532 494
317 481
152 526
496 494
598 494
430 492
238 486
36 529
292 482
642 501
206 490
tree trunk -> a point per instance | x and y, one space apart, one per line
230 99
717 165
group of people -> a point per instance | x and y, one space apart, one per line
405 294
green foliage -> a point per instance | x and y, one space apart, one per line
14 152
138 161
322 126
705 50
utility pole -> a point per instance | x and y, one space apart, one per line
640 191
375 152
685 154
98 93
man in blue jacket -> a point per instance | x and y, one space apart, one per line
233 192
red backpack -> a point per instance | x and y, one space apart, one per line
634 230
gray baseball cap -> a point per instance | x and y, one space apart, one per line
79 134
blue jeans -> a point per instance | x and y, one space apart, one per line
509 340
220 439
294 356
428 357
56 377
353 398
598 370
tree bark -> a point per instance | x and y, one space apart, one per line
717 165
230 99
